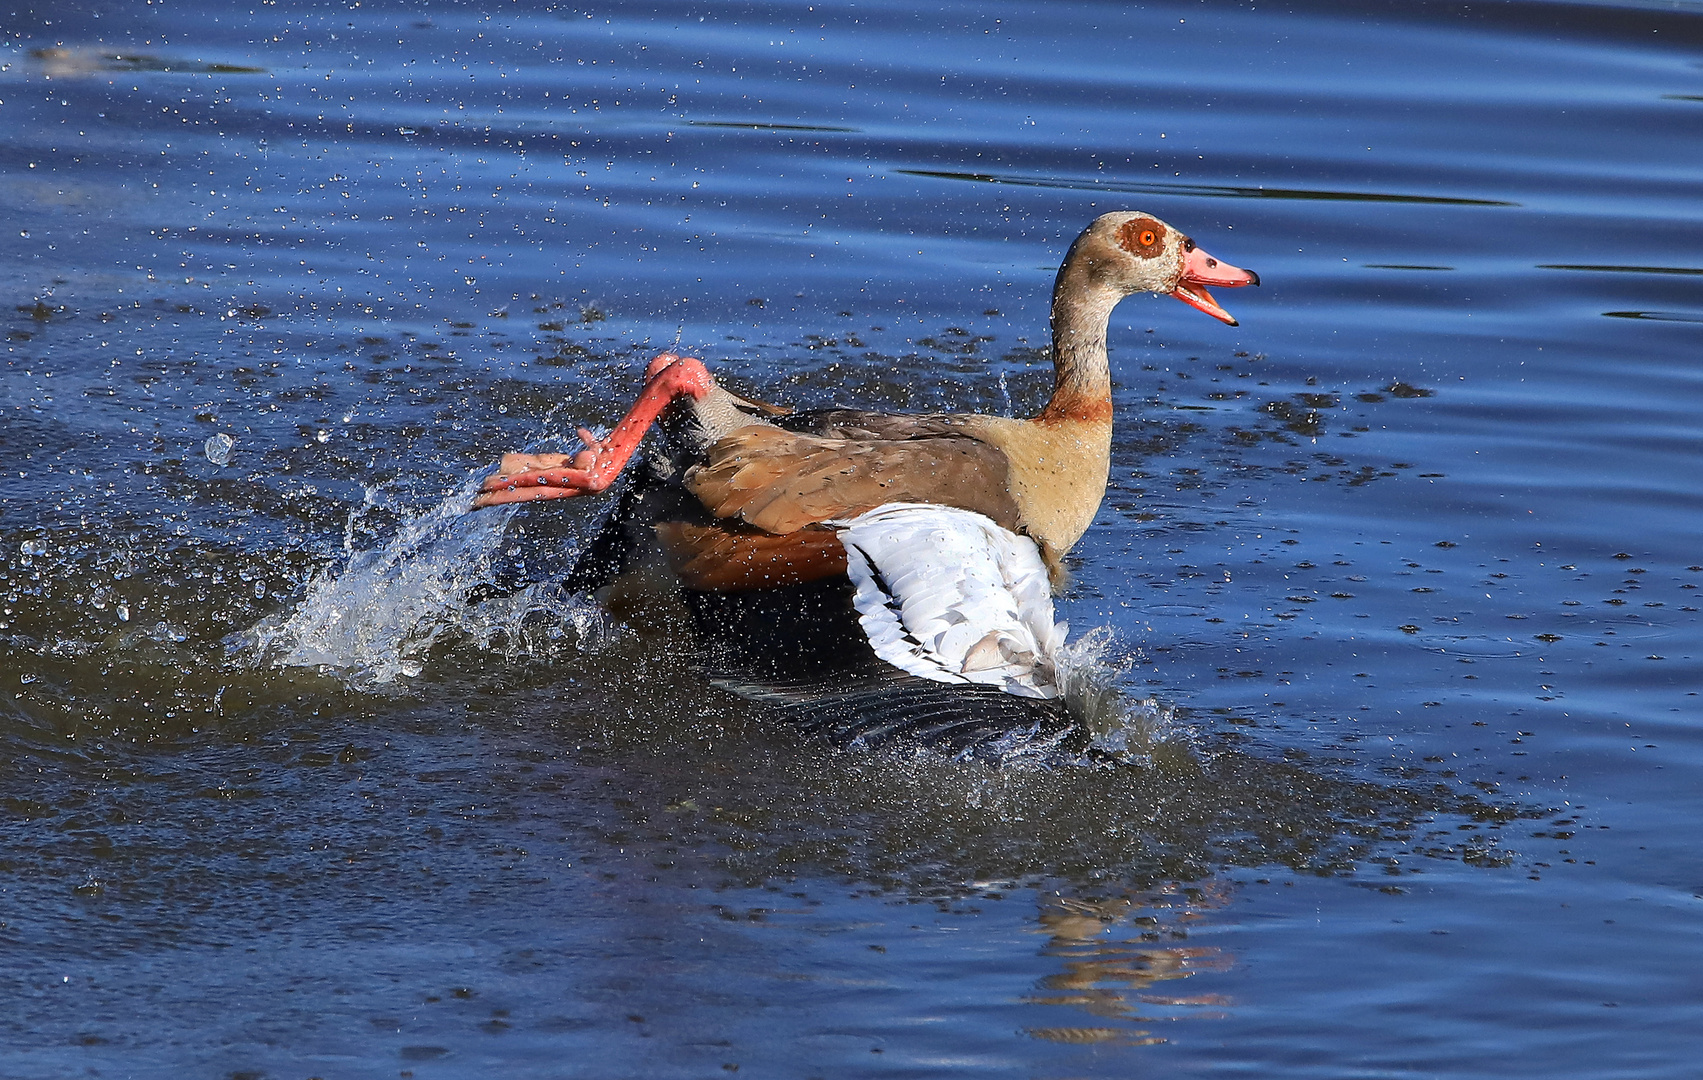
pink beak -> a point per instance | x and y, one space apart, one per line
1201 270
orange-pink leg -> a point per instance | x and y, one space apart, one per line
522 477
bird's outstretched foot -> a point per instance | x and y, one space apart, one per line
525 477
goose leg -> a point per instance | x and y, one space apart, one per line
523 477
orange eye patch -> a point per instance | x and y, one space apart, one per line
1141 236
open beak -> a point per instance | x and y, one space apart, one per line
1201 270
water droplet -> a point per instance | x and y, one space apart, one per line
218 449
124 613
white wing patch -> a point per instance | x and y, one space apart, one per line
948 595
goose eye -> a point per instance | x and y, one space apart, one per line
1142 236
1188 244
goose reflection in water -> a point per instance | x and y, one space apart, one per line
1120 956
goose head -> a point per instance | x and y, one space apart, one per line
1128 252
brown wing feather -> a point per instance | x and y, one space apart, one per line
861 424
780 482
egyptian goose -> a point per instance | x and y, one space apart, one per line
949 528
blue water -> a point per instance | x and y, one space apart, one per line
1400 575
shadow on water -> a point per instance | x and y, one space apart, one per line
699 770
394 653
1214 191
758 126
1657 316
62 62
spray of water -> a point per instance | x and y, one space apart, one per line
373 621
1120 726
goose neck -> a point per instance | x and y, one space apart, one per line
1082 378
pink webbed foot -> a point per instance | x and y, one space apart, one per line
525 477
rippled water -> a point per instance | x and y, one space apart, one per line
1400 576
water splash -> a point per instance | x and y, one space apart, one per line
373 621
218 449
1119 726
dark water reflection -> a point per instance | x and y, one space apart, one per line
1202 190
1400 576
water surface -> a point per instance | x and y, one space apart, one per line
1397 581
